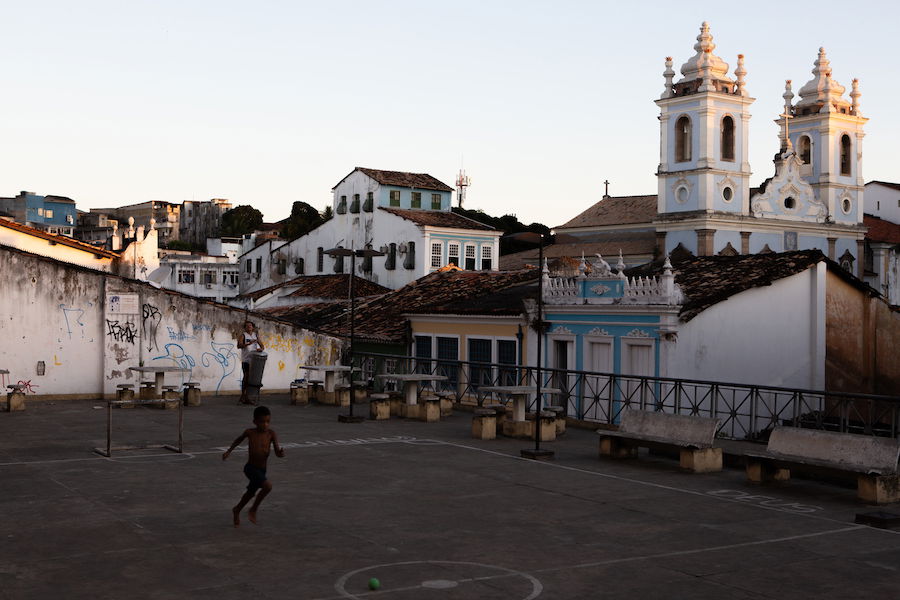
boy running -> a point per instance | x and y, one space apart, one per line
260 438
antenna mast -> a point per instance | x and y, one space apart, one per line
462 182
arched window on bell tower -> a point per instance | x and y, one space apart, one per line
683 139
727 139
805 149
846 148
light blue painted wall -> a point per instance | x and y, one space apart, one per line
722 239
687 238
809 242
383 197
759 240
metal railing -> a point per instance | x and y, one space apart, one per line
747 412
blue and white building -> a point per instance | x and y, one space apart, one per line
53 214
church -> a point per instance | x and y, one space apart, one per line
706 203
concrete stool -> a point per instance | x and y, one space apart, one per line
360 391
500 411
15 399
342 394
171 397
379 407
429 409
148 390
396 402
560 422
315 390
447 399
125 393
299 393
548 426
484 424
191 394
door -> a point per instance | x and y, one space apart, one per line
596 395
637 362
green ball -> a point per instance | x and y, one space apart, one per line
374 584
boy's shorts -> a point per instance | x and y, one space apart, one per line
256 476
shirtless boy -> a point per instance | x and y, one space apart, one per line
260 438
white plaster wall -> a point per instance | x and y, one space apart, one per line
883 201
60 315
36 245
763 336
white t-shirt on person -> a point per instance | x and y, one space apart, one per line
253 346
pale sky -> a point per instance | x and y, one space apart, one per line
268 102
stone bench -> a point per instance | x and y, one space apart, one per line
315 388
299 392
147 390
342 394
692 436
560 418
484 424
500 411
429 408
15 398
395 399
379 407
124 393
447 399
547 422
872 460
191 393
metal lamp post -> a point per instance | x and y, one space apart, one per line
537 453
352 253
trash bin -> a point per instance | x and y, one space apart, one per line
257 366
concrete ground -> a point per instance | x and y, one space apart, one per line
430 512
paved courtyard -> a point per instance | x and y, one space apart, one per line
430 512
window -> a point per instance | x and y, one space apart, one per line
682 194
354 206
727 138
369 203
448 349
416 200
423 353
470 257
395 197
453 253
805 149
367 261
48 213
436 201
70 220
486 258
479 351
248 265
320 259
506 355
846 147
683 140
339 263
259 265
185 276
229 277
342 205
727 194
846 205
208 277
790 203
40 212
390 261
281 266
436 251
299 266
410 262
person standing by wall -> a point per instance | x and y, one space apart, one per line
248 342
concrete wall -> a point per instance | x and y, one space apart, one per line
67 318
763 336
862 337
883 201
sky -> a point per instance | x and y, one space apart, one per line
269 102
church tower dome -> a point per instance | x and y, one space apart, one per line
818 90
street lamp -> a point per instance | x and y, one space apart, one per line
536 238
352 253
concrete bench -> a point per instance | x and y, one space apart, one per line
125 392
429 408
299 392
692 436
872 460
342 394
547 424
447 399
191 393
395 398
560 418
501 411
315 389
147 390
379 407
15 398
484 424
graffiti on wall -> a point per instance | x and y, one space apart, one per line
222 354
179 335
176 353
27 386
150 320
121 332
73 324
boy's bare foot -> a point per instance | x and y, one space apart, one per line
252 516
237 516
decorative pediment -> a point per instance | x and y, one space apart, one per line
638 333
788 195
728 250
600 289
598 331
560 329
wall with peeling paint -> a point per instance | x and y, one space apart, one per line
88 328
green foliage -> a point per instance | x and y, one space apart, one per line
240 220
183 245
304 218
507 224
327 213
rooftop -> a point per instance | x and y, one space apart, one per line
59 239
324 286
402 179
437 218
616 210
881 230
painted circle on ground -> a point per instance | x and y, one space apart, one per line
435 584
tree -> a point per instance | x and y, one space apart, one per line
240 220
303 219
507 224
327 213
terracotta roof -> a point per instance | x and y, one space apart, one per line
708 280
324 286
881 230
438 218
402 179
637 243
619 210
381 318
59 239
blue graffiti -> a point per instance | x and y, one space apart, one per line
177 355
201 327
223 353
180 335
73 319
